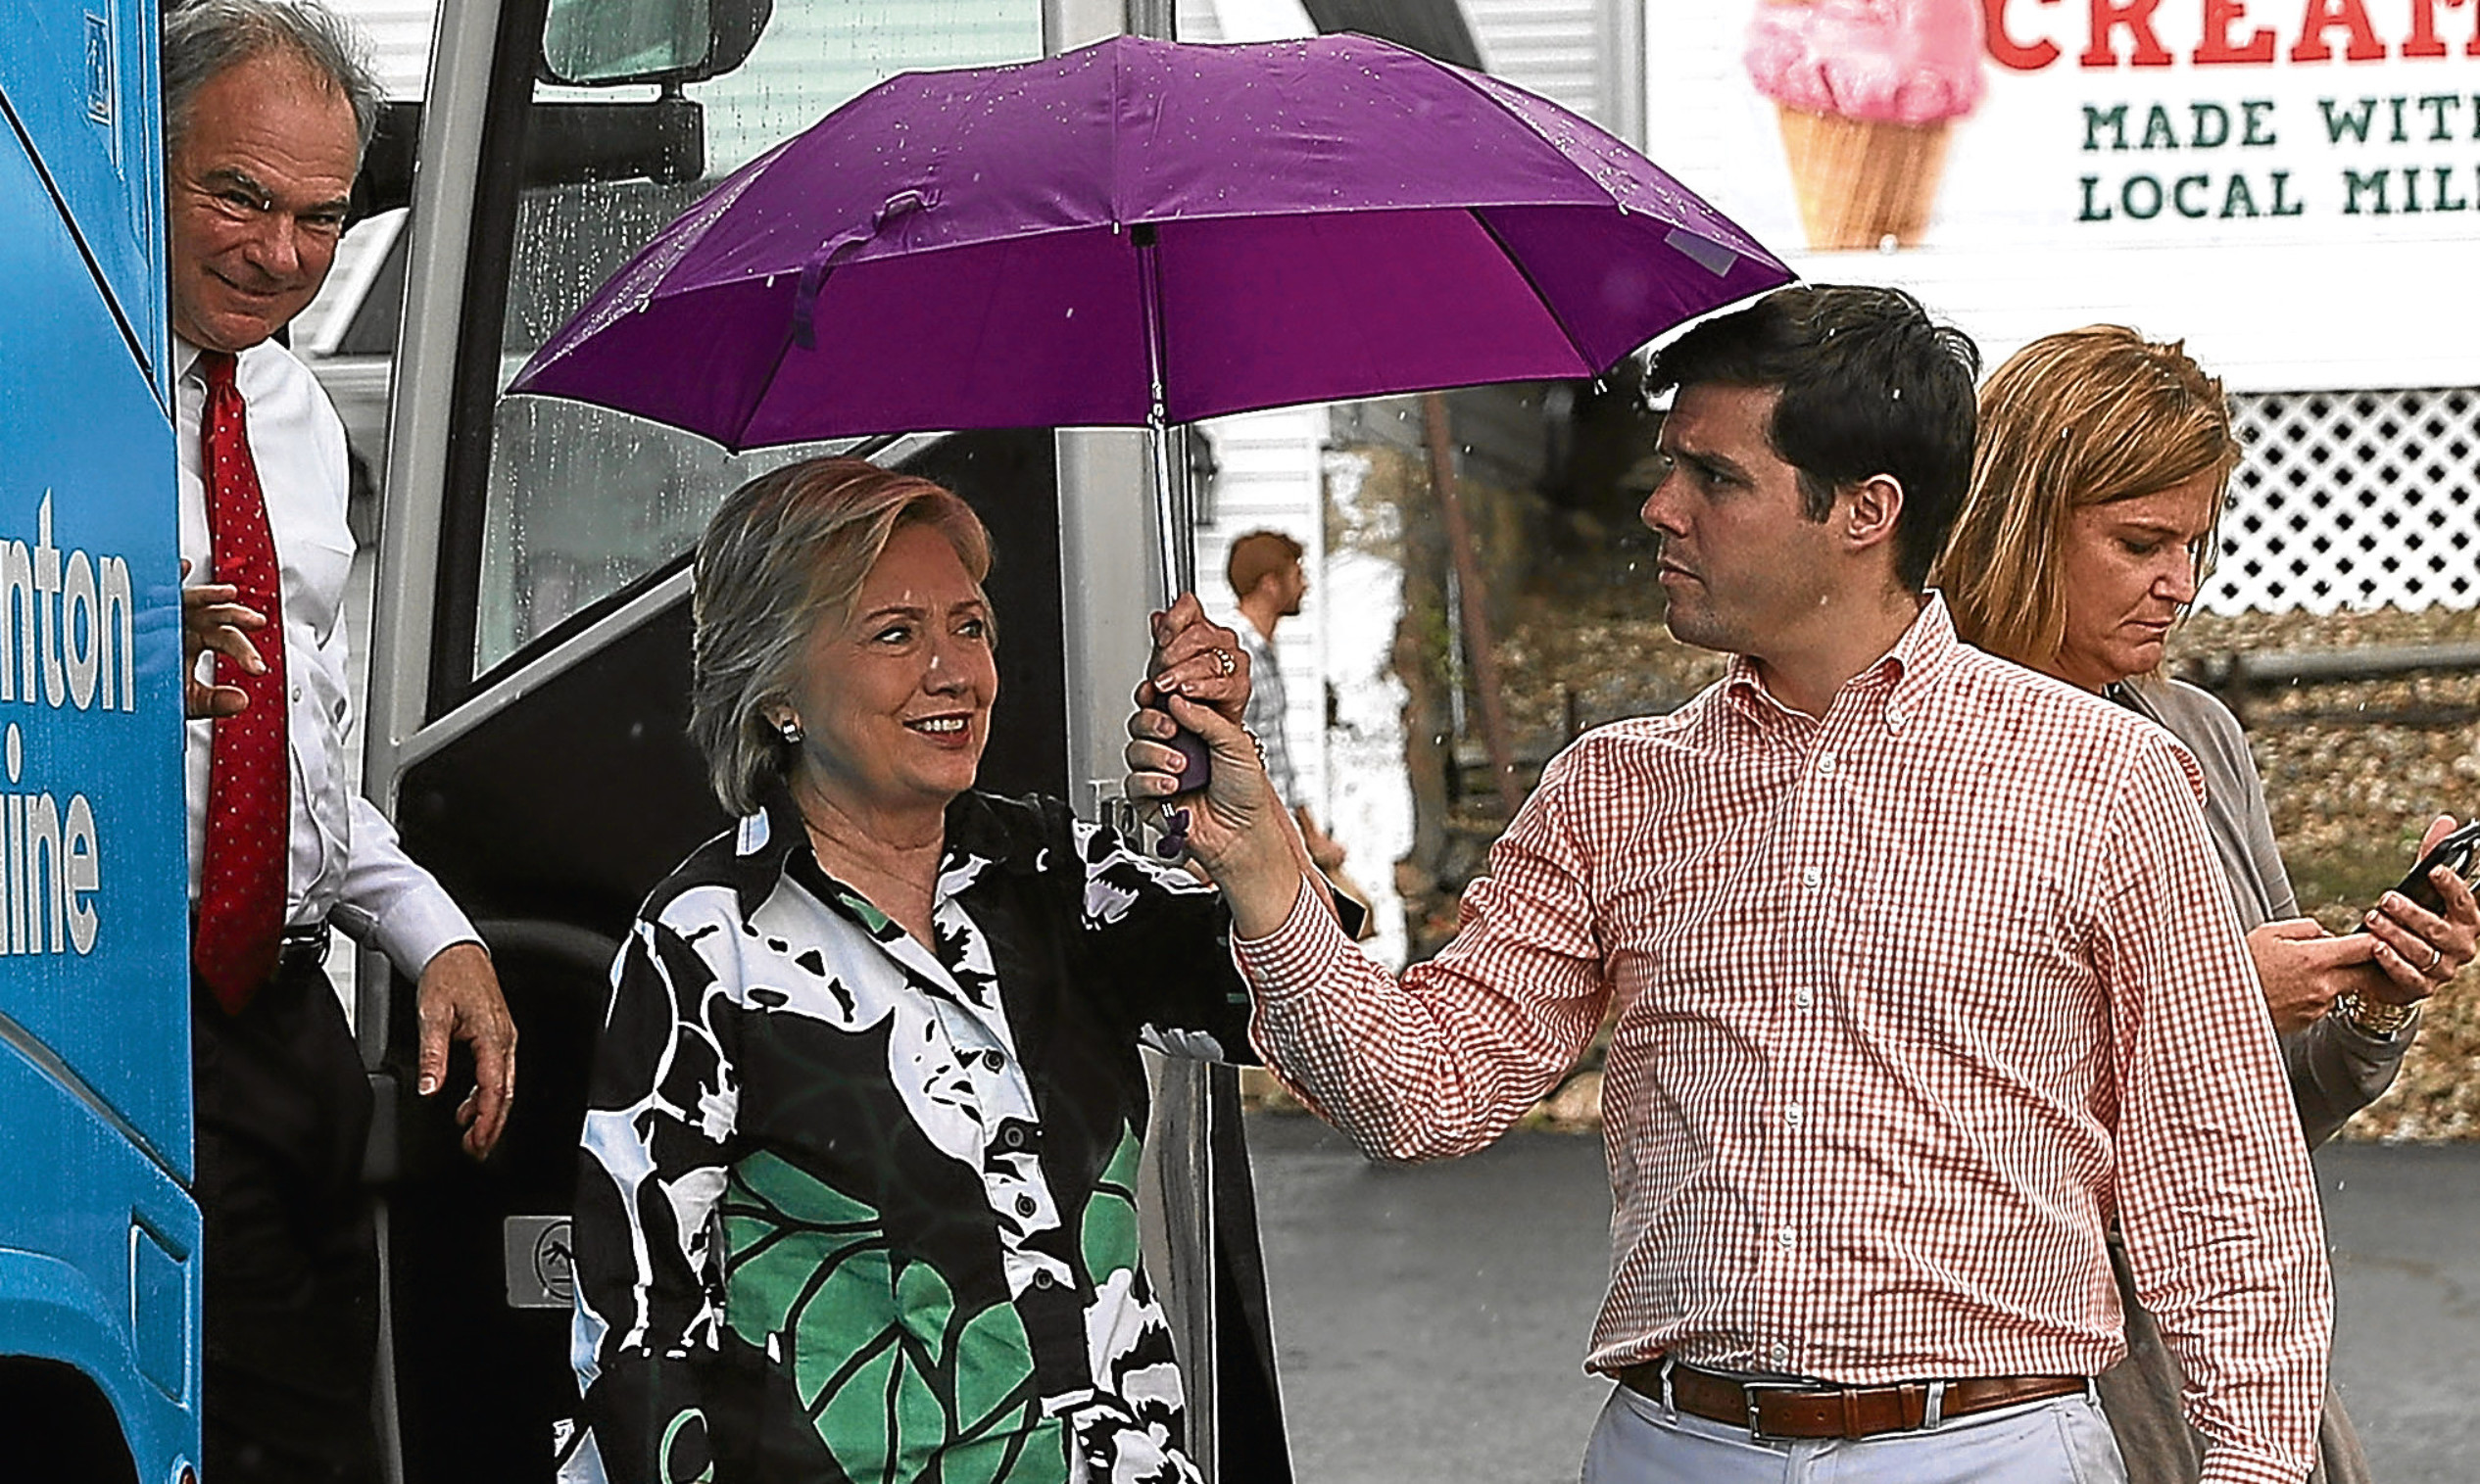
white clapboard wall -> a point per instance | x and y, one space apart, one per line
1548 47
399 34
1268 479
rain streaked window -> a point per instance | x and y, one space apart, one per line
583 501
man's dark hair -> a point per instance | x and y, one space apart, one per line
1256 556
1869 386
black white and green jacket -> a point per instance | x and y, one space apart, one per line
851 1209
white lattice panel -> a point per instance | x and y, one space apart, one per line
2355 499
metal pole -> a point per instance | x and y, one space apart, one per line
1474 593
463 45
1098 483
1187 1088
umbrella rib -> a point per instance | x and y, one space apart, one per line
774 369
1521 121
1117 190
1538 297
1750 247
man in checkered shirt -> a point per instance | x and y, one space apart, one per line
1922 967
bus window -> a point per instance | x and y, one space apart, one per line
581 502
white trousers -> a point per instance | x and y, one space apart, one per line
2063 1441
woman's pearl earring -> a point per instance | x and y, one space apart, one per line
789 729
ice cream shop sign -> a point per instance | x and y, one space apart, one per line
2197 120
2129 32
2215 141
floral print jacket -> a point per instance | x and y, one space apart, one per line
855 1209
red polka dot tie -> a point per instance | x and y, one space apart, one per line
241 877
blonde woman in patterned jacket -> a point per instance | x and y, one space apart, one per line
860 1147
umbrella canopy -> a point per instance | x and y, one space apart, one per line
1147 232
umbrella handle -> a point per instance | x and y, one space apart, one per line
1197 770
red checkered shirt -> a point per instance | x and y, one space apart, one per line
1913 1002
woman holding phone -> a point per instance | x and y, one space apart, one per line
2097 488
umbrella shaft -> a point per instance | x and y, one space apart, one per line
1175 516
1174 525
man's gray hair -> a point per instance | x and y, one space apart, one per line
202 38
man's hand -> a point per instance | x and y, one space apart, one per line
212 618
459 1001
2303 968
2420 951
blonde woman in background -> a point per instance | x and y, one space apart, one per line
2097 488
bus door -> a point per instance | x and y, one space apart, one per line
530 637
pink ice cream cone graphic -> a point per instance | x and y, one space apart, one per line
1866 91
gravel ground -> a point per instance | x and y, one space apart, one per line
2352 772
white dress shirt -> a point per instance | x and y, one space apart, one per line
346 866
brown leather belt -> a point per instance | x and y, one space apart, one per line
1786 1409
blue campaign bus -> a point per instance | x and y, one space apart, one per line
99 1275
529 655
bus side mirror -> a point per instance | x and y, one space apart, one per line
596 43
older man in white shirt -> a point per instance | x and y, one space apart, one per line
266 108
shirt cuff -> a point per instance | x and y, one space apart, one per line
2223 1467
1296 957
418 925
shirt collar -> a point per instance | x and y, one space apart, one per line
185 355
763 843
1895 679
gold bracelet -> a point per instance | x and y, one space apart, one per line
2372 1017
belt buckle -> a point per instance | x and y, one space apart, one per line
307 941
1752 1394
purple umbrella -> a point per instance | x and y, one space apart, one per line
1144 232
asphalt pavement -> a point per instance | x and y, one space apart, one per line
1431 1320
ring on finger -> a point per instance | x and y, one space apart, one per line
2436 956
1224 662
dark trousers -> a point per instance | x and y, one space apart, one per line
292 1278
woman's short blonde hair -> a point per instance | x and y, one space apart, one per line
786 553
2071 420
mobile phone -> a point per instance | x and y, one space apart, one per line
2459 850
